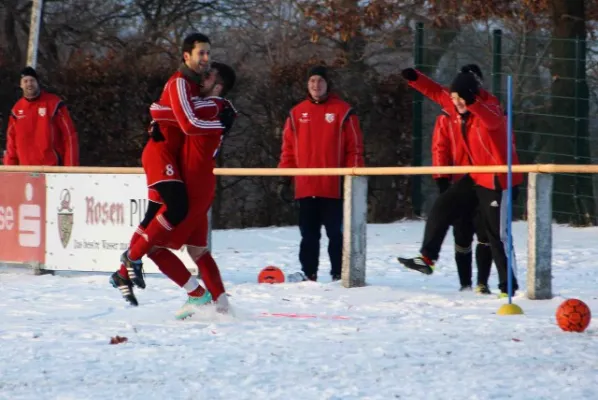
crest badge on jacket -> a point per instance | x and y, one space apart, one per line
329 117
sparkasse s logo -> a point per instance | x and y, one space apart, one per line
30 221
22 218
65 218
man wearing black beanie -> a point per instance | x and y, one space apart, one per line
479 131
40 130
321 132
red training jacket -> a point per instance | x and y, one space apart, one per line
485 142
41 132
321 135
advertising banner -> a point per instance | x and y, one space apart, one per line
90 220
22 215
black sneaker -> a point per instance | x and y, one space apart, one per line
335 277
135 270
482 289
465 288
421 264
125 286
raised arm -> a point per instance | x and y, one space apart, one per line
428 87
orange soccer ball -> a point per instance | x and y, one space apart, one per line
271 274
573 315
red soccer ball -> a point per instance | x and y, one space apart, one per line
271 274
573 315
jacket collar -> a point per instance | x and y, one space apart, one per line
328 97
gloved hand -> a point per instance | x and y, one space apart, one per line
466 86
410 74
284 189
155 133
443 184
227 116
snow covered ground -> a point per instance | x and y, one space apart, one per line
404 336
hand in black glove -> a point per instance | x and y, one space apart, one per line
284 189
155 133
466 86
410 74
443 184
227 116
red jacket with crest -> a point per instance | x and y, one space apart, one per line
41 132
321 135
485 138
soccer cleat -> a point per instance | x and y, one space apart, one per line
335 277
465 288
192 304
482 288
135 270
421 264
504 295
125 286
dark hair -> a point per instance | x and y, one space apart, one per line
190 40
474 69
226 76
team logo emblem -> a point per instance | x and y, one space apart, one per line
65 218
329 117
41 111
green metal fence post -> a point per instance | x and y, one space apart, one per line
417 128
497 63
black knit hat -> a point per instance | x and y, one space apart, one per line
29 71
474 69
322 71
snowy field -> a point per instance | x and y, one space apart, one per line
404 336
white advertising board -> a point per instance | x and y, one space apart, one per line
90 220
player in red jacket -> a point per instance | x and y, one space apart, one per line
479 119
465 225
444 152
40 129
160 160
321 132
198 159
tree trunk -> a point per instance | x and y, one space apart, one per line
570 112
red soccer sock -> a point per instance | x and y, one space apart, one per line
210 274
171 266
136 236
154 233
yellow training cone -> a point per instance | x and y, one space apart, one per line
509 309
